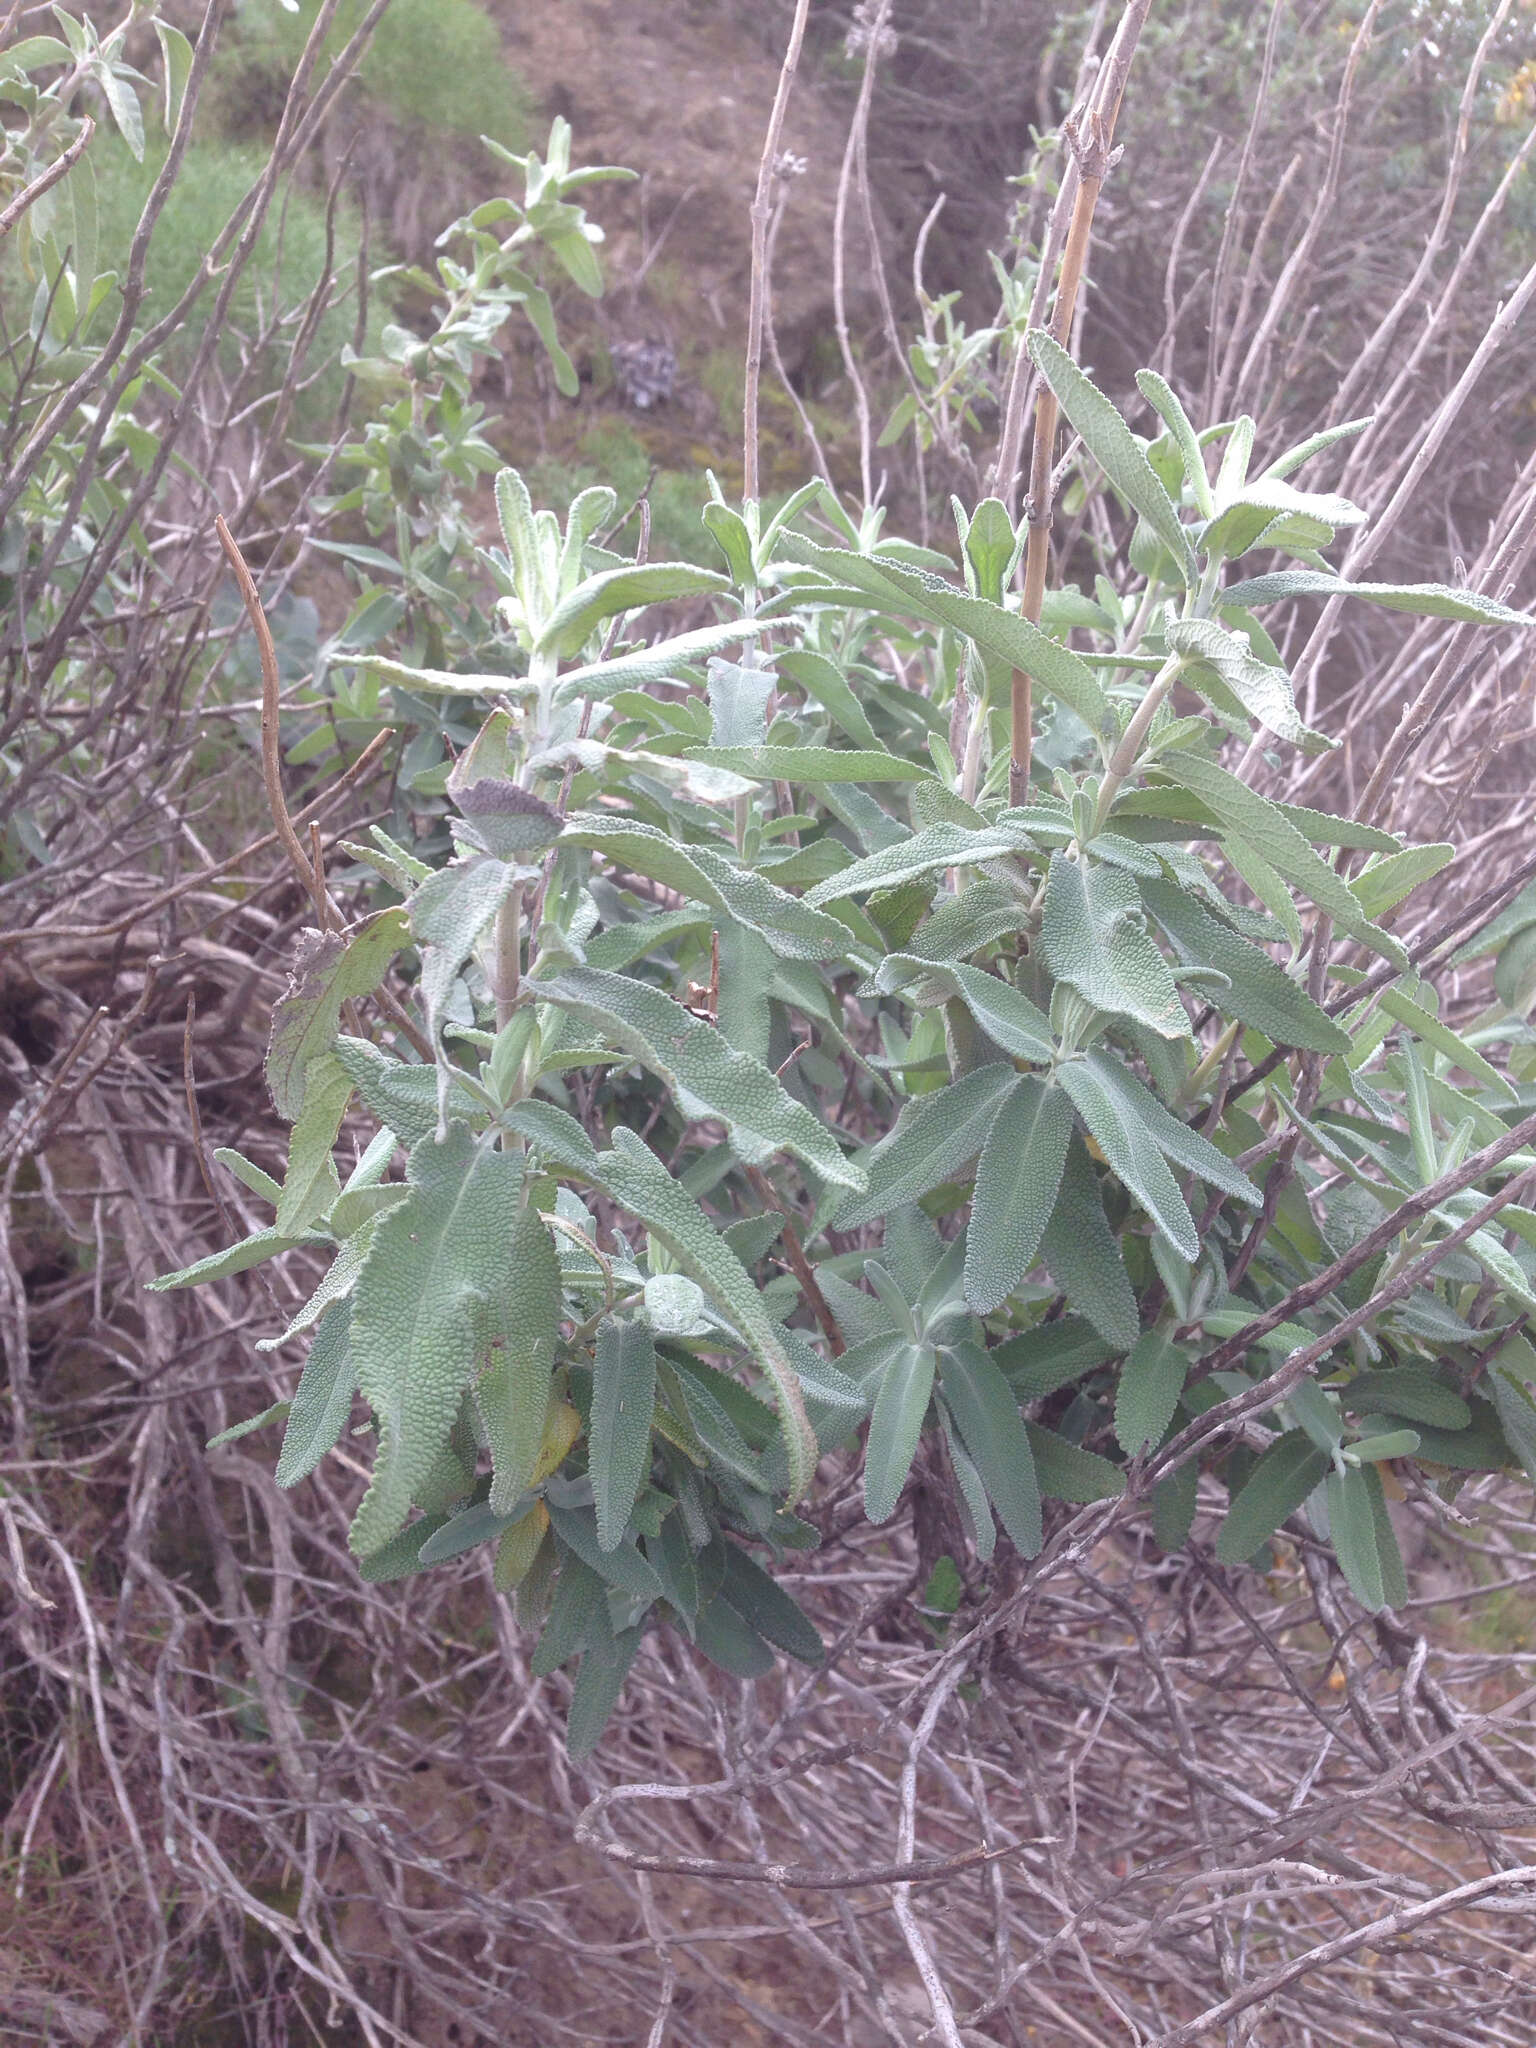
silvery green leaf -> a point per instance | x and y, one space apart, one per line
1262 826
795 930
1259 990
1425 600
993 1430
998 632
738 704
322 1400
942 845
433 1296
1151 1381
636 1179
329 969
1136 1104
707 1075
1262 690
568 627
1008 1018
932 1139
1083 1257
895 1425
1067 1472
1288 1473
1018 1178
1113 446
1094 937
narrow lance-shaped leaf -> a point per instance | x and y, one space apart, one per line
1161 396
1288 1473
1018 1178
660 663
932 1139
1425 600
826 684
311 1183
1352 1524
1151 1381
895 1426
623 1402
1009 1019
1067 1472
942 845
793 928
322 1400
1261 992
764 1605
1083 1257
1261 824
705 1072
512 1394
1182 1145
998 632
1134 1158
1113 446
813 764
993 1430
636 1179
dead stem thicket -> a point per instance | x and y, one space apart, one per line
1102 1795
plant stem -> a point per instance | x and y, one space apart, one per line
762 216
1125 756
1090 141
